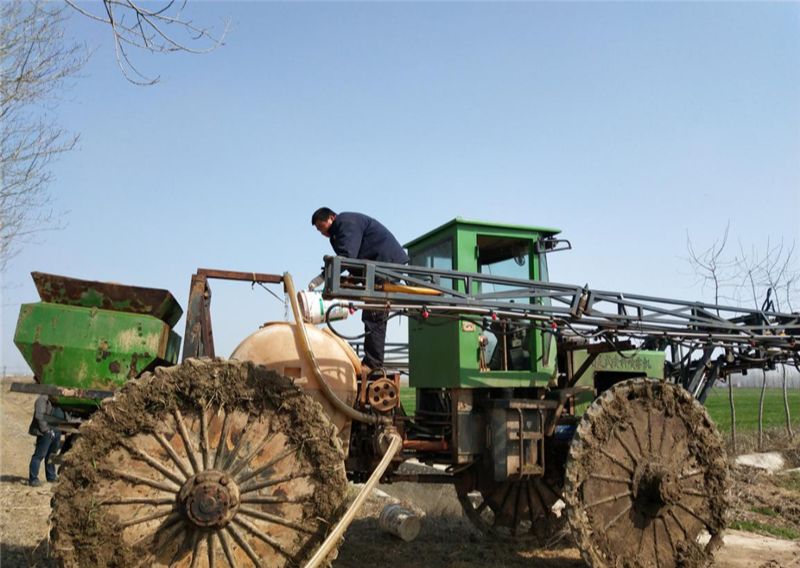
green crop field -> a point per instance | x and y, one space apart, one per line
745 399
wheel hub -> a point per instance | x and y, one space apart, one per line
209 499
654 487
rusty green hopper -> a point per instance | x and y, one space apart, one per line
96 335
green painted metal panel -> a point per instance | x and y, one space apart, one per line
461 222
91 348
108 296
446 353
632 362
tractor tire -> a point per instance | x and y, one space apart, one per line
210 463
646 479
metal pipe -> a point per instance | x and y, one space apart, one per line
395 443
426 445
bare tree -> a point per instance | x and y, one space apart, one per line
162 27
711 267
768 278
36 60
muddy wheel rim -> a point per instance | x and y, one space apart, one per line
646 478
209 484
510 511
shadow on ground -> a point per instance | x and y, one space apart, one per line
15 556
366 544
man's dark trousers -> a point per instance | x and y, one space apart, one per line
47 446
375 338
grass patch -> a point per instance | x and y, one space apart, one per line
761 528
408 398
790 481
746 400
766 511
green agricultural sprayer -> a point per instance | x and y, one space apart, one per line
541 403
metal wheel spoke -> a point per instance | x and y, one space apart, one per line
172 454
223 439
274 519
196 543
205 449
530 505
609 499
270 499
186 440
211 550
156 501
663 434
226 548
243 544
148 518
611 478
679 523
690 474
152 462
669 535
242 463
283 455
238 446
546 486
503 502
135 479
655 544
693 513
540 499
634 458
618 516
638 442
515 525
170 534
641 543
263 536
272 482
616 460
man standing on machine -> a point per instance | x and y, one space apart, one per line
354 235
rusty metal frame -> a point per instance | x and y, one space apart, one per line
198 340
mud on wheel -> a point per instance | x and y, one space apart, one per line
209 463
646 479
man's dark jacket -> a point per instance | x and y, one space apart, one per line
358 236
42 408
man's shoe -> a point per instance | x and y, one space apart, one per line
54 480
34 483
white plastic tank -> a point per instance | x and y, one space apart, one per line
275 346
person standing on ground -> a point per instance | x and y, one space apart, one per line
354 235
48 439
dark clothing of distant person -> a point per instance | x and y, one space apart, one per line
48 439
355 235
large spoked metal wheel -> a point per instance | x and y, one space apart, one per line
646 478
210 463
511 511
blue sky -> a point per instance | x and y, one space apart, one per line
625 125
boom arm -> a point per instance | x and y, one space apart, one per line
748 338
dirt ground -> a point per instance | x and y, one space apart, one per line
446 540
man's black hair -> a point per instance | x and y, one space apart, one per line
321 214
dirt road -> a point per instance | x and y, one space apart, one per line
447 539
